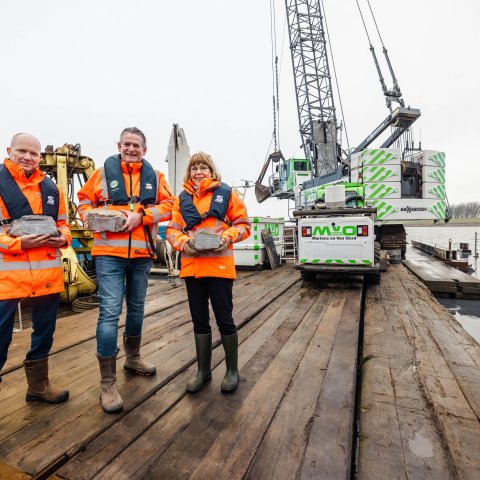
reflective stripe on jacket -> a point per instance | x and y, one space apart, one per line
34 271
124 244
209 264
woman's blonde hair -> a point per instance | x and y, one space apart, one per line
205 159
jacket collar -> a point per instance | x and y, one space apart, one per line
19 173
131 167
205 185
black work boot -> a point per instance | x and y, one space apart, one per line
231 378
203 346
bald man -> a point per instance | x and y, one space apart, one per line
30 266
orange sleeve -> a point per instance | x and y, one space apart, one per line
175 234
11 244
238 217
89 195
62 221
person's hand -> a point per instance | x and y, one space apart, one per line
134 219
190 250
223 246
33 241
56 242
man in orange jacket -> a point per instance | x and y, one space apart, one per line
30 265
126 183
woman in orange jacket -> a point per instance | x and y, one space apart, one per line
210 206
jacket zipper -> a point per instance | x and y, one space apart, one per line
131 208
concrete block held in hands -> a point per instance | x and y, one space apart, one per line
204 241
33 225
102 220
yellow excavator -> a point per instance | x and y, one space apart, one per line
69 169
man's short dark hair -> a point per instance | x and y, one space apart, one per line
134 131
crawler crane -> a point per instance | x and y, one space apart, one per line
383 186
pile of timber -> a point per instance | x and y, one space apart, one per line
443 279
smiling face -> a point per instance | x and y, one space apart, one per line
198 172
131 148
25 151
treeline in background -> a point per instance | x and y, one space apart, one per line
465 210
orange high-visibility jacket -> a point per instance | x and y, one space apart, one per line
126 244
34 271
209 264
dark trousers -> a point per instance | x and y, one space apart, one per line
219 291
44 317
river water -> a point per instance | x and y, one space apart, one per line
467 312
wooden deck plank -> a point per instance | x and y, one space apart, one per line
245 295
330 444
9 473
281 451
102 450
74 424
460 350
419 415
441 278
432 411
160 296
458 421
395 414
205 413
234 449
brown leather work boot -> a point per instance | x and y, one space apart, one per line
133 360
39 387
109 396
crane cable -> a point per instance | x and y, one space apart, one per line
364 24
335 76
375 22
407 137
276 102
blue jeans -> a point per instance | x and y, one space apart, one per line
44 318
117 277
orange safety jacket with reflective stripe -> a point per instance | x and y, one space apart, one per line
209 264
126 244
34 271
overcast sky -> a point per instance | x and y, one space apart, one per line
79 71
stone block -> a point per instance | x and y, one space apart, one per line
33 225
204 241
103 220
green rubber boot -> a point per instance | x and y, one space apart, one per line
203 346
231 378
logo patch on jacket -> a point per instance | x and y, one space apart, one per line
148 186
219 199
50 200
114 184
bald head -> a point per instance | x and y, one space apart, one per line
25 151
24 136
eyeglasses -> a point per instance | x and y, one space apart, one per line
199 168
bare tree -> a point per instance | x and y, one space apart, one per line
465 210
